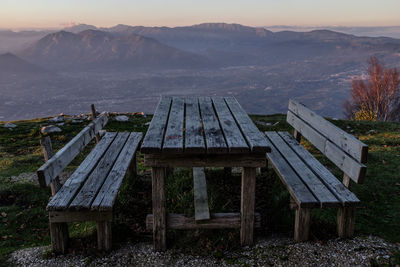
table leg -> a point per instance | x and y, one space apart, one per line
159 213
247 205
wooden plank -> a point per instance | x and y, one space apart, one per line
79 216
346 221
347 142
59 237
254 137
93 183
247 206
194 139
234 137
159 211
217 221
208 160
302 224
173 140
299 192
313 182
215 140
65 155
201 210
71 187
345 196
47 149
346 163
93 118
106 197
104 235
152 142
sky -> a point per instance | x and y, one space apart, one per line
16 14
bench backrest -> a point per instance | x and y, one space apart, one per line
53 167
343 149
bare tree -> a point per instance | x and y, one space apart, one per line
379 94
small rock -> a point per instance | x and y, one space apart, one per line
263 123
335 119
147 123
57 119
50 129
9 125
60 124
77 121
121 118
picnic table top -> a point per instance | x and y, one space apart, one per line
202 125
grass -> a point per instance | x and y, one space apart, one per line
24 220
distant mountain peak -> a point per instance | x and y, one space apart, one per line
79 28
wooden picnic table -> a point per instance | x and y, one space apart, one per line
203 132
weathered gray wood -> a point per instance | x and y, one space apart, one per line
217 221
194 139
247 206
70 188
79 216
201 210
345 196
215 141
209 160
345 221
93 118
345 141
256 140
297 135
47 149
153 141
234 137
106 197
346 180
159 212
299 192
314 184
59 237
173 140
104 235
91 187
52 168
302 224
346 163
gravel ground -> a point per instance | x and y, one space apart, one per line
269 252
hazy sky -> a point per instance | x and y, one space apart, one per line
55 13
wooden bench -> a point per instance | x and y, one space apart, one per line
89 194
310 184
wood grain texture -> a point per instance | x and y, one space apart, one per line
79 216
233 136
108 193
52 168
207 160
298 191
159 211
59 237
215 140
93 183
313 182
104 235
247 206
173 139
256 140
71 187
201 209
153 140
47 149
302 224
354 169
345 196
345 222
194 139
347 142
217 221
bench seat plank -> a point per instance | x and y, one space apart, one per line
173 139
346 197
299 192
70 188
106 197
92 185
233 135
194 140
318 189
214 138
254 137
